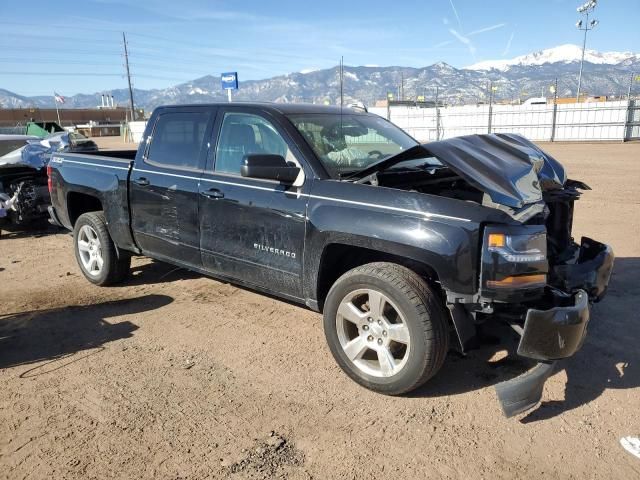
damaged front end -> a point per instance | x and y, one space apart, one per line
551 316
24 193
533 274
553 326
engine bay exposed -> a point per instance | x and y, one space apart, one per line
24 195
441 181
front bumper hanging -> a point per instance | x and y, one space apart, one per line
548 335
558 332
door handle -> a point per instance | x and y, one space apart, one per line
213 193
143 182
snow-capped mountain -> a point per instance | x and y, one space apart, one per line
522 77
562 54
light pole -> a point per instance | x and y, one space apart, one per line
587 25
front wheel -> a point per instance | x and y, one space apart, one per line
99 259
386 327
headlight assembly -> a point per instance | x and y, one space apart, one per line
519 248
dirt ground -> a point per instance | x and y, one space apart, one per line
174 375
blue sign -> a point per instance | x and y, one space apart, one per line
229 81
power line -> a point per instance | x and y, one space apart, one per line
156 64
37 61
92 28
160 65
276 55
58 39
174 59
199 47
167 58
63 74
159 61
85 74
34 39
140 50
54 50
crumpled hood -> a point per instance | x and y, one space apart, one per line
509 168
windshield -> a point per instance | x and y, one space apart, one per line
348 143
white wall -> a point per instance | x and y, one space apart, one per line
137 130
577 121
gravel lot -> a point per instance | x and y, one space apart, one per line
173 375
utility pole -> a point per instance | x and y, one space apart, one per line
628 119
588 25
341 81
631 78
437 115
555 110
490 105
126 62
401 85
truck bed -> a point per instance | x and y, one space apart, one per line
98 177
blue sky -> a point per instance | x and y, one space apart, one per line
175 41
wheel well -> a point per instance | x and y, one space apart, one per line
79 203
338 259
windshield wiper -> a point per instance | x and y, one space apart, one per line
416 151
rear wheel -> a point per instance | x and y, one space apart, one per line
99 259
386 327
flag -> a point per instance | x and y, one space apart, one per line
59 98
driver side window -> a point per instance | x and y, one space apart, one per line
243 134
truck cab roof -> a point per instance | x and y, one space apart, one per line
282 108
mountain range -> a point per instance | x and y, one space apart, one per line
525 76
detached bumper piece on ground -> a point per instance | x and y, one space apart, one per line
559 332
631 445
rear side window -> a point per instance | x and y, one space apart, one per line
177 139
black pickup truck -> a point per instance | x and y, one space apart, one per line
402 246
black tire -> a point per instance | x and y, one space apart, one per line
116 262
423 313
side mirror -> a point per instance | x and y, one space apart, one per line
270 167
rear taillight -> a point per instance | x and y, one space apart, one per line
49 182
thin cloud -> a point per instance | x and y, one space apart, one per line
462 37
486 29
443 44
455 12
507 47
465 41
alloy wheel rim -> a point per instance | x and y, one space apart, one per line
373 333
90 250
